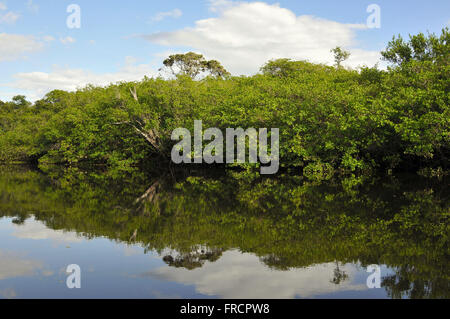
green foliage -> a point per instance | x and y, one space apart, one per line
329 118
419 48
340 55
192 64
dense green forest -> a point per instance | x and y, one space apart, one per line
330 118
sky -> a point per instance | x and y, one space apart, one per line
43 47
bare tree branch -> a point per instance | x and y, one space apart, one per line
133 92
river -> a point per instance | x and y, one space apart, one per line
208 234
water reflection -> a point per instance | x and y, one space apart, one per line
13 266
238 275
38 231
232 235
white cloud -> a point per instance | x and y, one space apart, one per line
220 5
175 13
239 276
67 40
14 46
9 18
12 266
35 230
32 6
245 35
37 84
48 38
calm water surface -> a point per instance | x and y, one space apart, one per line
233 235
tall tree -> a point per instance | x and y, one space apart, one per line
419 48
20 100
340 56
193 64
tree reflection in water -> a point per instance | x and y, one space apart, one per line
287 221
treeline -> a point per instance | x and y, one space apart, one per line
330 118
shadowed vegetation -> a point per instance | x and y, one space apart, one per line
288 221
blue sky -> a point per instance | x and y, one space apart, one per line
125 40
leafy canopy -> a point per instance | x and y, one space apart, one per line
419 48
192 64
